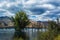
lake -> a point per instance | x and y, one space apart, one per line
7 34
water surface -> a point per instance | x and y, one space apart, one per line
7 34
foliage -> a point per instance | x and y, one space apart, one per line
20 22
52 32
57 38
0 23
18 39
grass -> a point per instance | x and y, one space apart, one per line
58 37
18 39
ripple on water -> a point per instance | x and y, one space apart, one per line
6 34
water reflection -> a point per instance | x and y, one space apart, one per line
33 33
7 34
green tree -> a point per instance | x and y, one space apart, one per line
52 30
20 22
58 25
0 24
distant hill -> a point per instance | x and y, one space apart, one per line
43 22
38 24
4 17
5 21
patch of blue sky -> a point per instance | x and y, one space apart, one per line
2 12
51 16
2 0
12 0
13 9
32 17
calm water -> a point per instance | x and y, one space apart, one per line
7 34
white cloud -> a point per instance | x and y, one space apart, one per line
58 14
8 14
49 6
27 5
2 3
9 4
30 2
46 13
28 12
2 9
40 18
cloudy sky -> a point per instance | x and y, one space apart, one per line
38 10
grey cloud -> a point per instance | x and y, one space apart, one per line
54 2
38 11
33 9
13 9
